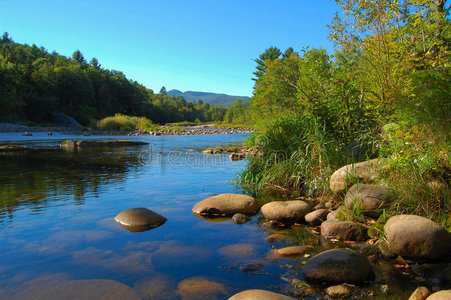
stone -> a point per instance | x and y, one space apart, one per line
368 198
259 295
416 237
68 144
420 293
440 295
226 205
63 120
286 211
276 237
385 250
236 156
207 151
316 217
338 266
343 230
240 218
101 289
293 251
238 251
363 172
139 219
156 287
195 288
338 291
333 214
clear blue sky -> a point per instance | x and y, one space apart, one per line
207 45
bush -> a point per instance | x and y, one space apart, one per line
125 123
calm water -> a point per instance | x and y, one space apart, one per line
57 209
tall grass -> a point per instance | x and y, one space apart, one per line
123 123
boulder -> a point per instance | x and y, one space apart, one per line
293 251
64 120
240 218
226 205
259 295
338 291
68 144
316 217
369 198
343 230
286 211
363 172
420 293
338 266
276 237
207 151
440 295
413 236
139 219
236 156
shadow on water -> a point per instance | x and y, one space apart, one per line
38 179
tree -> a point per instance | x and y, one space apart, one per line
6 38
78 56
270 54
95 63
163 91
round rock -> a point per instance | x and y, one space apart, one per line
293 251
343 230
420 293
440 295
367 171
259 295
139 219
286 211
316 217
338 266
369 198
338 291
226 205
413 236
200 288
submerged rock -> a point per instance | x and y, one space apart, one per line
139 219
286 211
207 151
343 230
338 266
413 236
259 295
200 288
236 156
368 198
276 237
363 172
293 251
240 218
226 205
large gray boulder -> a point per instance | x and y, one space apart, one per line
343 230
259 295
226 205
363 172
64 120
286 211
139 219
369 198
338 266
413 236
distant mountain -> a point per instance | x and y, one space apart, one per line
211 98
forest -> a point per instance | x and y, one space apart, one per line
384 92
35 84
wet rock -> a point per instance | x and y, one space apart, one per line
293 251
207 151
259 295
338 291
249 268
368 198
333 214
236 156
275 226
286 211
200 288
364 172
170 257
440 295
240 218
417 237
226 205
68 144
385 250
343 230
94 143
139 219
157 287
276 237
316 217
80 289
338 266
420 293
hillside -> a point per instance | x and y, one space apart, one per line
211 98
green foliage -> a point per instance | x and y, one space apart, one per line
125 123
